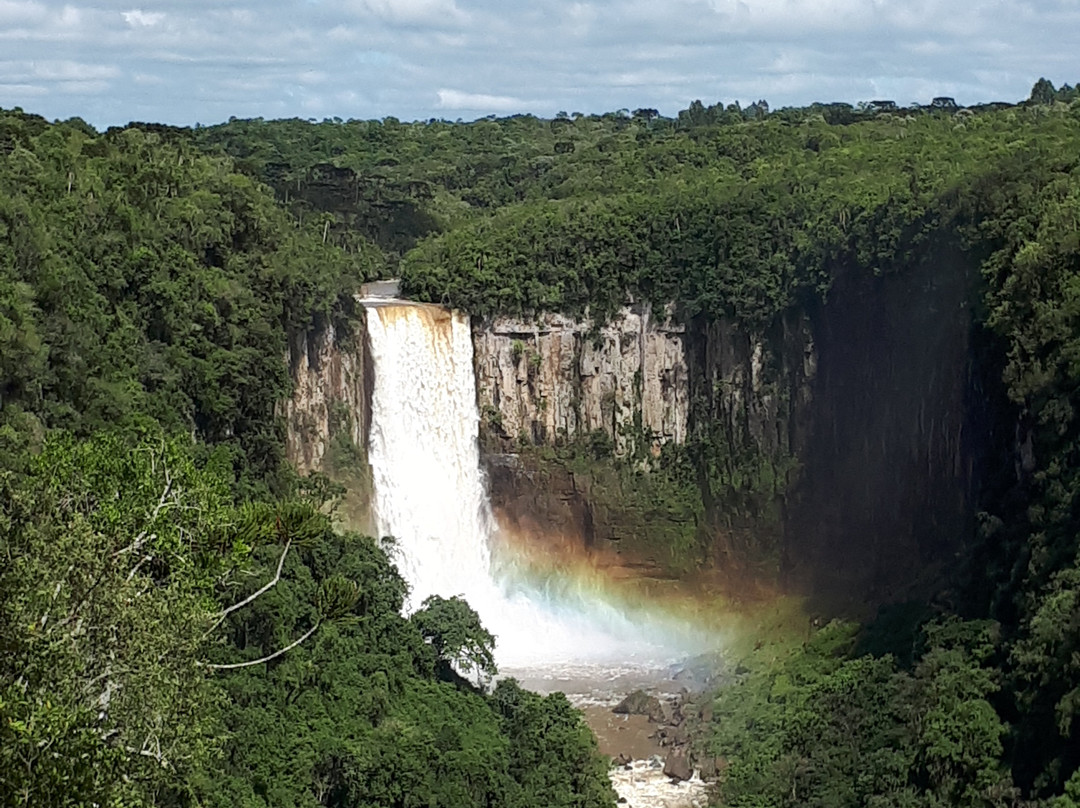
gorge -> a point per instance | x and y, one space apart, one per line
772 453
525 464
799 388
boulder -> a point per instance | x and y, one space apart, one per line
707 768
639 703
660 714
679 735
677 765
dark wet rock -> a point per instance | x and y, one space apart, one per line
699 673
660 714
655 762
622 759
639 703
677 715
677 765
707 768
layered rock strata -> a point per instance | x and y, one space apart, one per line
330 400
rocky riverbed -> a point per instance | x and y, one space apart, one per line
643 719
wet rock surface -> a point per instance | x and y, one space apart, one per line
663 768
641 703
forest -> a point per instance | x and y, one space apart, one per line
182 620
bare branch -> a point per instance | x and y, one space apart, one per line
140 540
274 655
262 590
135 569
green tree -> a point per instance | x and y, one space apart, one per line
456 634
111 553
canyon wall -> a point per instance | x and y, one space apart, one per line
838 450
330 404
553 378
666 444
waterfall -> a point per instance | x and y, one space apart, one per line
424 451
430 495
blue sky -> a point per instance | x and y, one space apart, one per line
188 61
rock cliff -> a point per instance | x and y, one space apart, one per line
554 378
833 449
836 448
330 400
703 416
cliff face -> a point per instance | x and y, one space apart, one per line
892 463
554 378
330 400
840 449
712 394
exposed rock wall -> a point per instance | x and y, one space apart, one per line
554 377
841 448
645 382
753 391
892 459
330 395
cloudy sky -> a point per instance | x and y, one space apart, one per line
187 61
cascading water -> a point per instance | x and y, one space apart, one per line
429 494
423 449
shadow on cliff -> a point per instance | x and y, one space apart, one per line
894 442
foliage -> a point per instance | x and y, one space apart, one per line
823 727
359 716
110 558
142 281
456 635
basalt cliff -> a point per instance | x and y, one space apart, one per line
836 446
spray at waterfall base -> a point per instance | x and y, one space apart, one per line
625 620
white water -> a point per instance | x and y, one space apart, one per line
430 495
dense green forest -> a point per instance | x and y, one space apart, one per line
182 625
180 622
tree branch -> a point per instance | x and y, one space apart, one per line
141 538
265 588
274 655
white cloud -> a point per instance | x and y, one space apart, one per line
137 18
17 12
431 13
56 70
22 90
180 61
457 100
82 87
